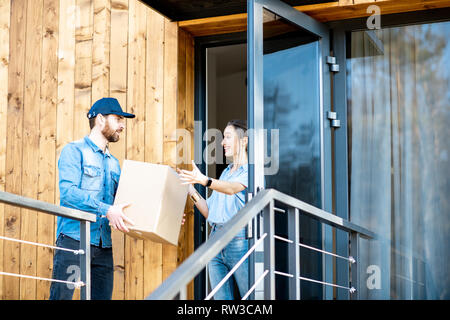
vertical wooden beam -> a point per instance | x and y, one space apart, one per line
13 183
155 88
118 90
30 144
47 143
181 124
154 132
5 11
134 264
84 32
66 79
66 82
190 57
184 148
189 225
170 91
101 49
100 55
170 114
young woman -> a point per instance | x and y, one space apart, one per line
227 198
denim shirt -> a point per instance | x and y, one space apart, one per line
222 207
88 180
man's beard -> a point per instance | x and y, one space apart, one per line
110 134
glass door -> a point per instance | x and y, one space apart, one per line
290 137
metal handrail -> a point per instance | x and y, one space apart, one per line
85 219
193 265
45 207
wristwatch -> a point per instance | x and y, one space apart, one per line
209 182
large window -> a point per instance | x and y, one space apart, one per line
399 158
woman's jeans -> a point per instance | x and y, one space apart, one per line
221 264
66 266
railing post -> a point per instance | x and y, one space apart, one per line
85 260
183 293
354 252
269 251
294 253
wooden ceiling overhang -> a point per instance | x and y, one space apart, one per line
324 12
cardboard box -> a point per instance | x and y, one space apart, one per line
157 200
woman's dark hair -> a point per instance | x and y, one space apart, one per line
238 124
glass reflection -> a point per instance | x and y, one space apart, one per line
399 129
291 106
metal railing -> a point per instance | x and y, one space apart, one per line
264 202
85 219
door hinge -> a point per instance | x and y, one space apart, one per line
334 121
334 67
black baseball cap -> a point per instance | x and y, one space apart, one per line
107 106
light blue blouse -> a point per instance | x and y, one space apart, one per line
223 207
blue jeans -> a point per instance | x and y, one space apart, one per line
66 266
221 264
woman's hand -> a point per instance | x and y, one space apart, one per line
192 177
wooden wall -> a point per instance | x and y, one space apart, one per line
57 57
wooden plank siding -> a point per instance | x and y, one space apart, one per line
56 58
14 138
118 89
154 130
5 13
47 142
134 249
30 146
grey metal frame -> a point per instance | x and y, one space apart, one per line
341 149
255 91
264 201
85 219
255 104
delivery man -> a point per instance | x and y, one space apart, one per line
88 179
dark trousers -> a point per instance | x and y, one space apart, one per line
66 266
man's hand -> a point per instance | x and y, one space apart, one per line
191 190
117 218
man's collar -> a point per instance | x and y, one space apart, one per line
96 148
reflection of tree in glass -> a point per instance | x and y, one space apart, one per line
298 165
